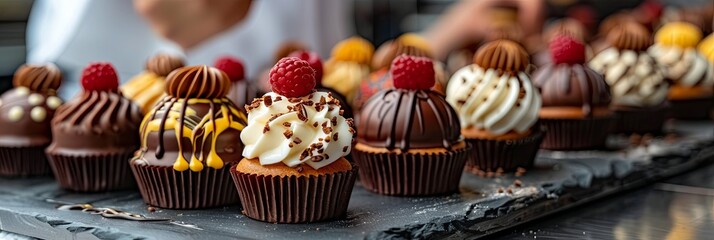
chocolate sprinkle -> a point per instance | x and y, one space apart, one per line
287 124
334 120
328 138
291 145
317 158
266 128
304 154
345 148
297 140
336 136
267 100
314 124
278 98
288 134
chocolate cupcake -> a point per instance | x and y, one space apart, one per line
409 142
637 83
380 78
147 88
242 92
25 114
576 99
95 134
692 93
294 170
316 63
498 107
189 141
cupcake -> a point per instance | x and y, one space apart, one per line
294 170
316 63
409 142
95 134
498 108
189 141
576 99
348 66
692 75
25 114
147 88
409 44
242 91
637 83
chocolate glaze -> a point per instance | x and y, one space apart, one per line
208 123
566 85
630 36
96 122
408 119
35 90
162 64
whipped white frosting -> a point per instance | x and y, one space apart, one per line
635 78
496 103
686 67
307 130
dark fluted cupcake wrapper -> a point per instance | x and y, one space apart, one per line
503 155
641 120
411 174
691 109
23 161
165 187
98 173
295 199
576 134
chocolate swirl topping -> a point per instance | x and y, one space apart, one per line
630 36
162 64
397 118
38 78
503 55
572 85
97 121
198 82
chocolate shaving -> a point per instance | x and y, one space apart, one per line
288 134
278 98
314 124
317 158
266 128
267 100
334 120
336 136
350 122
328 139
352 130
301 114
327 130
345 148
291 145
309 103
294 100
342 112
304 154
322 100
287 124
297 140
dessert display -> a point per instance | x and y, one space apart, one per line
147 88
409 44
241 91
576 99
408 136
95 134
637 83
316 63
692 75
25 114
189 141
348 66
498 108
294 170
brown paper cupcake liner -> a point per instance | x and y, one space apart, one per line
98 173
23 161
165 187
503 155
641 121
576 134
691 109
411 174
295 199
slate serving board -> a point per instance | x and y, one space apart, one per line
484 206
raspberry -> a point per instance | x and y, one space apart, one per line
233 67
415 73
100 76
313 59
292 77
565 49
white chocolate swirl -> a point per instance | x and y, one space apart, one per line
496 103
307 130
635 79
686 67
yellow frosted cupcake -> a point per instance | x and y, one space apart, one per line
147 88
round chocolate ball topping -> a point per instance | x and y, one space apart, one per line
38 78
630 36
162 64
504 55
197 82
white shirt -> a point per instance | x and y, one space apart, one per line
73 33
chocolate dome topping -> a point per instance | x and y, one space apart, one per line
504 55
404 119
162 64
38 78
630 36
572 85
197 82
